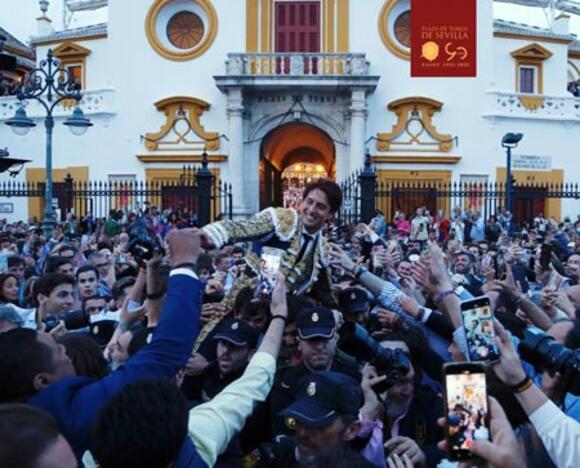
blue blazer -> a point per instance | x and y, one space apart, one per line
75 402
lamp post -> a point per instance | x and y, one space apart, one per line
49 85
510 141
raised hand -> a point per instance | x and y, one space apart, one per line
184 245
340 258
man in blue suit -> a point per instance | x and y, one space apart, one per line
35 369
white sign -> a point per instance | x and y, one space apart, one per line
532 162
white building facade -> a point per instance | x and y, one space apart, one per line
264 84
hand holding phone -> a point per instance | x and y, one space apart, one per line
477 318
270 261
466 408
504 450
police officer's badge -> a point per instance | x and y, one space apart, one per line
311 389
353 296
315 317
96 330
235 325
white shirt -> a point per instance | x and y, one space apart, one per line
559 433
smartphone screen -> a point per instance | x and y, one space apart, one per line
478 323
466 407
270 261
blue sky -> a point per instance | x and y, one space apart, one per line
20 21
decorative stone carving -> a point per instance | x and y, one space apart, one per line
182 120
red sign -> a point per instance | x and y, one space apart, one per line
443 37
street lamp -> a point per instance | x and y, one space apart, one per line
49 85
509 141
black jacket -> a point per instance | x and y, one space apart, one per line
286 385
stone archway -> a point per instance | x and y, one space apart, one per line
288 145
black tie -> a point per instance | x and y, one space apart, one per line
306 241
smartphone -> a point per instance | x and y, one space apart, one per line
270 261
519 273
478 324
466 407
378 268
545 256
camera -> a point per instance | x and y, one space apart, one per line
356 341
72 320
542 351
142 245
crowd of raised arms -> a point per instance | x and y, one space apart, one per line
286 340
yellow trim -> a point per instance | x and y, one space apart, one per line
403 108
195 108
553 206
343 26
266 34
199 49
329 26
531 102
76 39
251 25
38 175
389 42
402 159
532 55
529 37
184 158
334 32
70 53
532 51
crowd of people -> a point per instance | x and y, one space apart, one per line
139 340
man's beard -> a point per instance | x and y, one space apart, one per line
396 408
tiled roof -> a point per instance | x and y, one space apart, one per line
11 41
75 33
511 27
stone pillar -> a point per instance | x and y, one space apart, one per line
235 110
358 130
43 22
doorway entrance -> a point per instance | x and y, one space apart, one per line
291 156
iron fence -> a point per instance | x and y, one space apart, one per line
196 191
363 195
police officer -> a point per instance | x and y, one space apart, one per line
317 340
355 305
236 344
324 417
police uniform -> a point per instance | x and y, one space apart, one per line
353 302
311 323
321 397
206 386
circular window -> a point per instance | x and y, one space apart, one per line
402 28
185 30
395 27
181 29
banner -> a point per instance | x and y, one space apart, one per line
443 38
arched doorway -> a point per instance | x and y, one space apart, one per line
290 156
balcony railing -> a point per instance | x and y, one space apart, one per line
539 106
297 65
95 102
